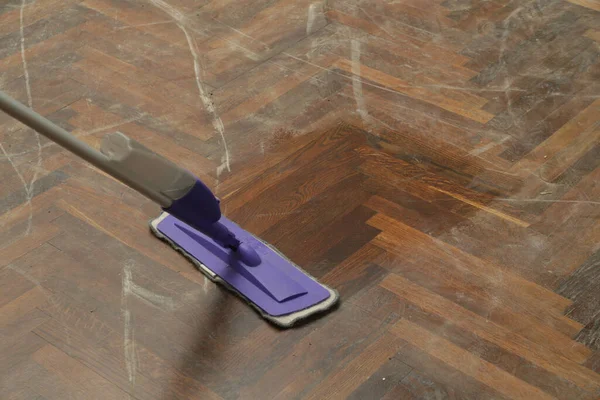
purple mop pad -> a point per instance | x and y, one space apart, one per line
277 288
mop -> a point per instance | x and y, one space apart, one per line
192 223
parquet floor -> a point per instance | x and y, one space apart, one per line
438 162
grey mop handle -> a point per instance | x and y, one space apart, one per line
63 138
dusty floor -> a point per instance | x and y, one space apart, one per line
437 162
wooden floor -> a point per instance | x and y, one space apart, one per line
437 162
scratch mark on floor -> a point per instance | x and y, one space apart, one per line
529 201
380 26
143 25
29 102
155 299
310 18
507 81
281 214
28 187
489 146
128 330
208 104
25 274
550 201
8 157
130 288
112 126
205 285
179 19
387 17
219 171
221 167
238 31
483 149
24 60
85 134
254 56
357 82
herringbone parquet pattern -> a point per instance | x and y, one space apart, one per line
435 161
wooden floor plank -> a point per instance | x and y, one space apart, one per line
384 304
344 382
392 228
466 362
73 374
511 342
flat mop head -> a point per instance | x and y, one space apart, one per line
278 289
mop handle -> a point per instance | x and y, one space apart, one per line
63 138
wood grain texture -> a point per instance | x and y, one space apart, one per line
437 162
